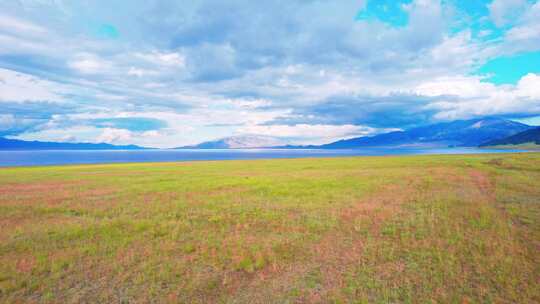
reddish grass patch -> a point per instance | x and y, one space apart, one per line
483 184
43 193
26 264
333 256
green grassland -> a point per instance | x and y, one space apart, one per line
415 229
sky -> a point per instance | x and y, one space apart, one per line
165 74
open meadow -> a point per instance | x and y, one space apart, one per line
413 229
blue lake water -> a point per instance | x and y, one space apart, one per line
65 157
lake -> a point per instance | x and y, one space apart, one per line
65 157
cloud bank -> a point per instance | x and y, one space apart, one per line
165 74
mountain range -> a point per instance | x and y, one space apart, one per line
460 133
15 144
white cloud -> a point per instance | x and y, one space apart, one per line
140 72
458 52
306 131
531 31
529 86
468 96
15 45
19 36
70 134
89 64
19 87
88 134
462 86
472 87
250 103
20 27
112 135
112 97
505 11
167 59
524 36
154 85
187 128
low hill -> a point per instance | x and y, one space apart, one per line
15 144
531 136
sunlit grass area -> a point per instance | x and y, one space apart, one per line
458 229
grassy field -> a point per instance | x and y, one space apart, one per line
415 229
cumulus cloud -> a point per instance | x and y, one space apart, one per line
529 87
466 97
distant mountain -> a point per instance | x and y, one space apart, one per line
525 137
463 133
238 142
15 144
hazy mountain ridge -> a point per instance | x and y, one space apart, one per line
15 144
238 142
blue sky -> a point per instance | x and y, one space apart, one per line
164 74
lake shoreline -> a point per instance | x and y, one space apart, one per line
86 157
